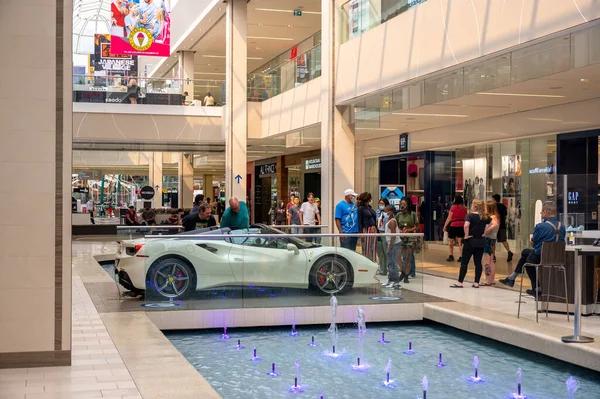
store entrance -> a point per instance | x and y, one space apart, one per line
312 184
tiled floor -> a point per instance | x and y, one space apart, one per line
97 369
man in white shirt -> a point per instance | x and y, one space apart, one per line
309 215
89 206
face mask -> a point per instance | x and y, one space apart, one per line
381 207
403 208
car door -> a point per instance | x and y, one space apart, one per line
268 262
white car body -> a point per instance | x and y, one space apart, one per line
282 261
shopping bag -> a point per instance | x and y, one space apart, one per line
445 238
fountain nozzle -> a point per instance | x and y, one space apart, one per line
358 362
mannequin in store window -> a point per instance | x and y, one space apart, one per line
481 189
466 193
413 173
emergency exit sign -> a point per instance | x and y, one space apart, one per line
297 13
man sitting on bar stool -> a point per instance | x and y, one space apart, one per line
545 231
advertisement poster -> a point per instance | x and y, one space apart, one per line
393 194
141 27
107 63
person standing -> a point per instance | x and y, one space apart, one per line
382 219
89 206
280 214
407 223
209 100
319 231
310 216
502 213
455 227
367 224
346 219
490 235
236 216
294 216
133 91
474 227
392 248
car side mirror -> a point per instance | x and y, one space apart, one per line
293 248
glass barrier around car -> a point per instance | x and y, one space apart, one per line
265 267
136 90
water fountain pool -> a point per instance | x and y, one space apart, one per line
228 370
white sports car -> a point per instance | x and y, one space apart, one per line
175 267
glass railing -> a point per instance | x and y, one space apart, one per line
127 90
273 81
265 267
360 16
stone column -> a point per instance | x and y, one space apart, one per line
186 72
155 178
186 180
235 121
207 180
337 140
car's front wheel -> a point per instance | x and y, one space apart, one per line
171 278
331 276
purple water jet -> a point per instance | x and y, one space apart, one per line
409 351
383 340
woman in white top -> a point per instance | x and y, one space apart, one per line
209 100
392 246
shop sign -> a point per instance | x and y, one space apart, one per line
109 62
547 169
573 197
314 163
169 191
393 194
88 175
147 192
403 142
267 169
82 190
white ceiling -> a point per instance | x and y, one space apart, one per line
567 87
272 29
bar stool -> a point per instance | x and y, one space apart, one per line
553 257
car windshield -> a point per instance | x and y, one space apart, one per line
296 241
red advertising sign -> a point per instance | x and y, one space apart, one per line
145 30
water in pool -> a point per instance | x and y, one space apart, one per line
234 375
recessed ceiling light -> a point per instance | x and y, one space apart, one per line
584 80
436 115
286 11
290 26
521 95
287 39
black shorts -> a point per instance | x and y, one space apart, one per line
456 232
502 235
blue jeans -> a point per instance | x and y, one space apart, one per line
392 257
412 262
349 243
311 230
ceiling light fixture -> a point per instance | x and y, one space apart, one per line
584 80
376 128
435 115
545 119
522 95
287 39
287 11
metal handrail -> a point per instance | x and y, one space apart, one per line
333 235
302 226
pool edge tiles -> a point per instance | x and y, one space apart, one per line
259 317
523 333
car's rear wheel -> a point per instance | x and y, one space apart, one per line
331 276
171 278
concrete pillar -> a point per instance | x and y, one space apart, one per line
186 180
207 180
235 121
35 248
186 72
155 178
337 140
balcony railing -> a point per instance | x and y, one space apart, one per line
360 16
271 82
130 90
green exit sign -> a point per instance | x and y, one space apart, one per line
297 13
